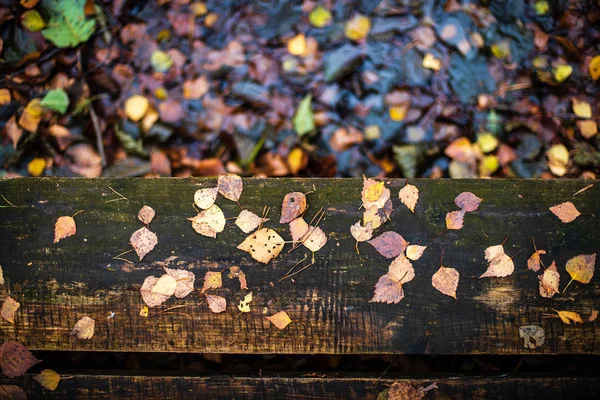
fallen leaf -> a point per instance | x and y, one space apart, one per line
36 166
185 281
315 240
144 312
205 198
593 316
263 245
558 159
374 193
414 252
549 281
372 216
196 88
84 328
13 131
500 265
15 359
358 27
146 214
152 298
297 45
409 195
389 287
64 227
230 186
467 201
581 267
12 392
533 336
217 304
430 62
9 307
446 281
56 100
298 228
562 72
582 108
29 3
143 241
247 221
594 68
236 272
209 222
304 119
406 391
320 17
389 244
533 262
587 127
568 316
361 233
31 116
48 379
1 276
280 320
398 112
244 305
293 205
455 219
136 107
566 212
5 97
161 61
212 280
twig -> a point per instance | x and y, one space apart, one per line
168 309
98 133
121 197
583 190
78 212
10 205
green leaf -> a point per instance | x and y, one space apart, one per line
56 100
161 61
32 21
68 26
304 121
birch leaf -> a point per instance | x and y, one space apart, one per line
280 320
184 281
64 227
230 186
263 245
143 241
9 307
84 328
15 359
236 272
581 267
146 214
455 220
298 228
446 281
566 212
568 316
549 281
409 195
244 305
293 205
500 265
361 233
209 222
216 304
534 262
467 201
389 287
315 240
205 198
247 221
151 298
389 244
212 280
48 379
414 252
533 336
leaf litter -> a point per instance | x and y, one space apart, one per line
48 378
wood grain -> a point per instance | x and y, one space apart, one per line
58 283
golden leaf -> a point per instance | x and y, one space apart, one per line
212 280
280 320
263 245
48 379
64 227
244 305
568 316
84 328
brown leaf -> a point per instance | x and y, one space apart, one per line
171 111
315 240
409 195
549 281
248 221
64 227
9 308
212 280
230 186
31 116
195 88
533 262
185 281
263 245
581 267
205 198
146 214
389 244
446 281
389 287
293 205
151 298
455 220
467 201
280 320
414 252
244 305
236 272
1 276
568 316
86 161
48 379
593 316
500 265
15 359
209 222
298 228
143 241
11 392
566 212
217 304
84 328
533 336
13 131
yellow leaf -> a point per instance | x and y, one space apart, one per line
144 311
429 61
558 158
398 113
372 132
489 165
136 107
295 160
244 305
487 142
587 127
36 166
297 45
501 49
319 17
198 9
581 267
372 191
562 72
4 97
568 316
212 280
541 7
280 320
358 27
161 61
48 379
211 19
31 116
162 94
595 68
581 108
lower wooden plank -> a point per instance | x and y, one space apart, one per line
317 386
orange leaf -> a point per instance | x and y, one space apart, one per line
15 359
212 280
293 205
48 379
84 328
195 88
593 316
467 201
146 214
455 220
409 195
9 307
533 263
549 281
566 212
143 241
64 227
568 316
280 320
389 244
446 281
263 245
230 186
217 304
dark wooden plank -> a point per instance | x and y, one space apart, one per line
58 283
320 386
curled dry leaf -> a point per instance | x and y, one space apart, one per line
533 336
414 252
64 227
533 262
156 291
9 307
209 222
280 320
549 281
217 304
244 305
446 281
205 198
84 328
143 241
1 276
581 267
467 201
212 280
48 379
315 240
293 205
374 193
389 287
247 221
15 359
298 228
236 272
230 186
409 195
263 245
593 316
146 214
185 281
500 265
568 316
566 212
389 244
455 220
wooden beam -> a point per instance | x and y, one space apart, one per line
314 386
57 284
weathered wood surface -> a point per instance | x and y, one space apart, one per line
317 386
58 283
